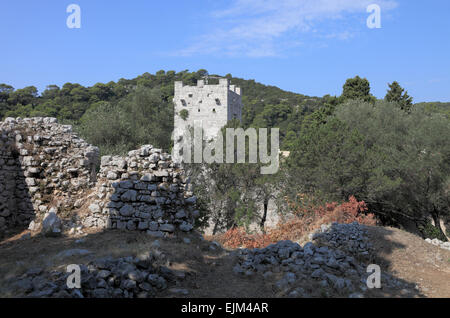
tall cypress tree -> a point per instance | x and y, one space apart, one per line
396 94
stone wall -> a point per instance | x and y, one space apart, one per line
144 191
43 165
209 105
48 171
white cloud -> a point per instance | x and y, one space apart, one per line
260 28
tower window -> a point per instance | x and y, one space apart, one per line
190 95
214 110
183 102
217 101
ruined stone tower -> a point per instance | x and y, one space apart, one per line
211 105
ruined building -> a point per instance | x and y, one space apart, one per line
210 106
48 173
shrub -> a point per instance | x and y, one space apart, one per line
307 219
433 232
184 113
397 162
238 237
310 218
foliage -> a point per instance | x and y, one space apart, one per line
140 118
397 95
233 194
433 232
240 238
435 107
109 126
264 106
306 221
328 158
184 113
398 163
347 212
357 88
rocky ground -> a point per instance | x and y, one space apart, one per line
133 264
441 244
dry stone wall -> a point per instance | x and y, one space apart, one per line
144 191
48 172
43 165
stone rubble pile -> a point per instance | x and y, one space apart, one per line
439 243
349 238
337 266
42 163
125 277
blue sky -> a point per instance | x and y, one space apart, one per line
305 46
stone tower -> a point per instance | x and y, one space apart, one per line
211 105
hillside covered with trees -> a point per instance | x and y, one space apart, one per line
119 116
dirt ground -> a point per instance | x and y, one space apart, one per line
210 271
412 259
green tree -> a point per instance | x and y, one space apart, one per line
396 94
108 126
101 91
328 159
51 92
5 92
143 119
409 161
232 194
24 96
357 88
398 163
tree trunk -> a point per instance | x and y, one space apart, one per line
264 217
216 225
437 222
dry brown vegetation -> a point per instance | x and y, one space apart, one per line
307 218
